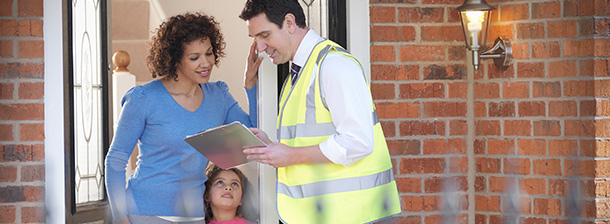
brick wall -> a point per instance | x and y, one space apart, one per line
536 131
21 112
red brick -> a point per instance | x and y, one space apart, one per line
546 50
480 109
31 90
21 70
30 28
8 27
602 188
560 69
561 29
457 53
422 90
450 2
442 33
578 8
33 214
31 49
502 109
30 8
458 127
546 89
31 132
7 214
517 127
21 152
514 12
413 128
559 147
602 47
6 8
381 53
487 203
499 31
422 166
6 48
480 146
444 146
6 91
495 73
33 194
563 109
521 51
8 174
547 167
547 128
412 203
458 90
601 128
26 111
530 31
487 128
517 166
602 27
547 206
389 128
486 91
602 168
515 90
449 72
530 70
488 165
602 148
398 110
444 109
546 10
458 164
6 133
394 72
420 15
583 168
532 109
32 173
578 48
404 147
579 88
601 68
383 14
409 185
410 53
501 146
588 148
588 108
392 33
392 1
586 27
382 91
601 8
531 147
480 184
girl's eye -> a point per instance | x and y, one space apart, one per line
194 59
219 182
235 184
209 54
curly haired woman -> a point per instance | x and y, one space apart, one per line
168 183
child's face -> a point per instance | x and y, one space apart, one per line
226 191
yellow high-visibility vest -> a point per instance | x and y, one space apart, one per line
329 193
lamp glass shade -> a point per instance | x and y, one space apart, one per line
475 23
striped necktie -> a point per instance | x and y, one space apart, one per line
294 71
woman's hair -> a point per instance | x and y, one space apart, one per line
247 210
275 10
167 45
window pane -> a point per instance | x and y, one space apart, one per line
88 128
316 14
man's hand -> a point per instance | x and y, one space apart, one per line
275 154
253 62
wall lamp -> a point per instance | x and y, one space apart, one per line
475 16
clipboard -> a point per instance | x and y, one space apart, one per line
223 145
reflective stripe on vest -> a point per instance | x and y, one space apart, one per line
335 186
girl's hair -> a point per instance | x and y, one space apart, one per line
167 45
247 210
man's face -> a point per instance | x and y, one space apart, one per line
271 39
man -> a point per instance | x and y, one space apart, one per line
332 158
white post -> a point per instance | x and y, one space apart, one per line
122 81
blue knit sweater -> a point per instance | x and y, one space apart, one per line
170 174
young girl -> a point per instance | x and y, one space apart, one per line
225 191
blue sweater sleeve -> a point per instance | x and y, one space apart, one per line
129 129
234 112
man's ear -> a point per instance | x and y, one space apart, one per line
290 22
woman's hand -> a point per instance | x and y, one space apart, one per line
254 61
260 134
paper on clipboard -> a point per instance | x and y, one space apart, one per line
223 145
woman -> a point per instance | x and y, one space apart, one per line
168 182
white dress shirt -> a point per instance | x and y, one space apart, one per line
347 95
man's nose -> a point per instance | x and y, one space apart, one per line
260 45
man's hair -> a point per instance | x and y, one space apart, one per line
275 10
